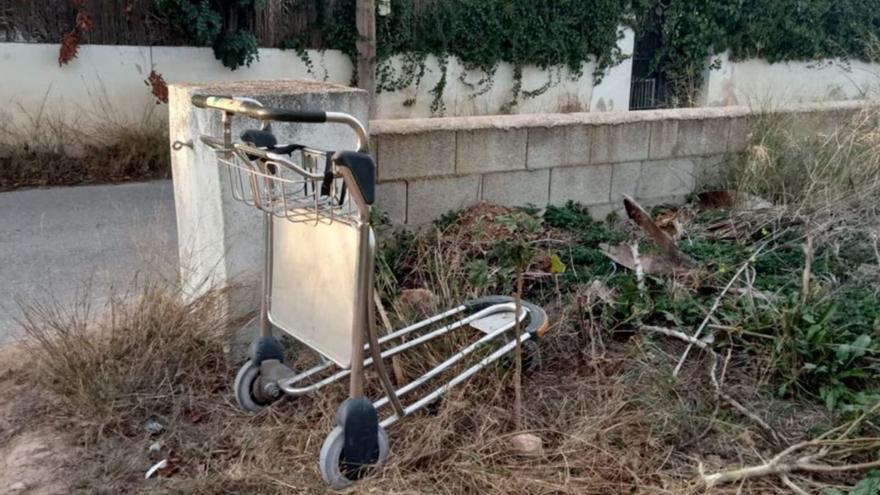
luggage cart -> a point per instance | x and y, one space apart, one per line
317 286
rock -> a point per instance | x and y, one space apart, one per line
155 451
417 298
527 444
18 487
153 427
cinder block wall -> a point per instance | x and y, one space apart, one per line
430 166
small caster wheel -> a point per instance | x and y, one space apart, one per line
248 389
356 444
250 392
531 357
335 469
266 348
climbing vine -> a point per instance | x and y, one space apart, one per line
220 24
775 30
481 34
558 36
71 41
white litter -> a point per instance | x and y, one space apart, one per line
156 467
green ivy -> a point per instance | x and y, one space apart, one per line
481 34
775 30
214 23
549 34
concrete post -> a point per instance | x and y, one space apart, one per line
219 239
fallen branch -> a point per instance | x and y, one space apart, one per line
781 464
399 375
640 273
712 310
719 392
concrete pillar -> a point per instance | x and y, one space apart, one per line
220 240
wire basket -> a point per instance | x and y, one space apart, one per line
302 189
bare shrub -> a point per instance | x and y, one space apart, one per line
151 354
821 169
48 149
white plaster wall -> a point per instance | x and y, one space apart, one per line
569 91
109 81
757 82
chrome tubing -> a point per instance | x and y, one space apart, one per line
424 401
287 385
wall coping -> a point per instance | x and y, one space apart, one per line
524 121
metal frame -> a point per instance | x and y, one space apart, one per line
268 192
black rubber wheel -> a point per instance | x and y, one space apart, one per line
246 388
355 446
332 460
266 348
531 357
535 323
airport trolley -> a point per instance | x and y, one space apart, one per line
317 285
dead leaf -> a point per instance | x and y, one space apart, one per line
727 199
599 291
651 263
69 47
661 238
158 87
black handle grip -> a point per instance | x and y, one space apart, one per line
248 109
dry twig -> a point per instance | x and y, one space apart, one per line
712 310
714 377
782 464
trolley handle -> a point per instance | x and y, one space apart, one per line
255 111
248 109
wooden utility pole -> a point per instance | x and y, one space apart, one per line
366 45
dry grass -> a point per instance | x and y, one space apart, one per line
617 423
613 420
149 353
47 149
823 169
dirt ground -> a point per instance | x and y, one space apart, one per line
31 461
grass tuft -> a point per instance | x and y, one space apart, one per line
150 354
51 150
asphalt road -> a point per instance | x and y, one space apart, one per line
68 243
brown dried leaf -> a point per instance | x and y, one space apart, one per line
661 238
69 47
651 263
84 21
158 86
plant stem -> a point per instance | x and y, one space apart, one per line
518 402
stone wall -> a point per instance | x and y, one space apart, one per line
430 166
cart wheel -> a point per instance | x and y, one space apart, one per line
266 348
334 468
247 388
531 357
